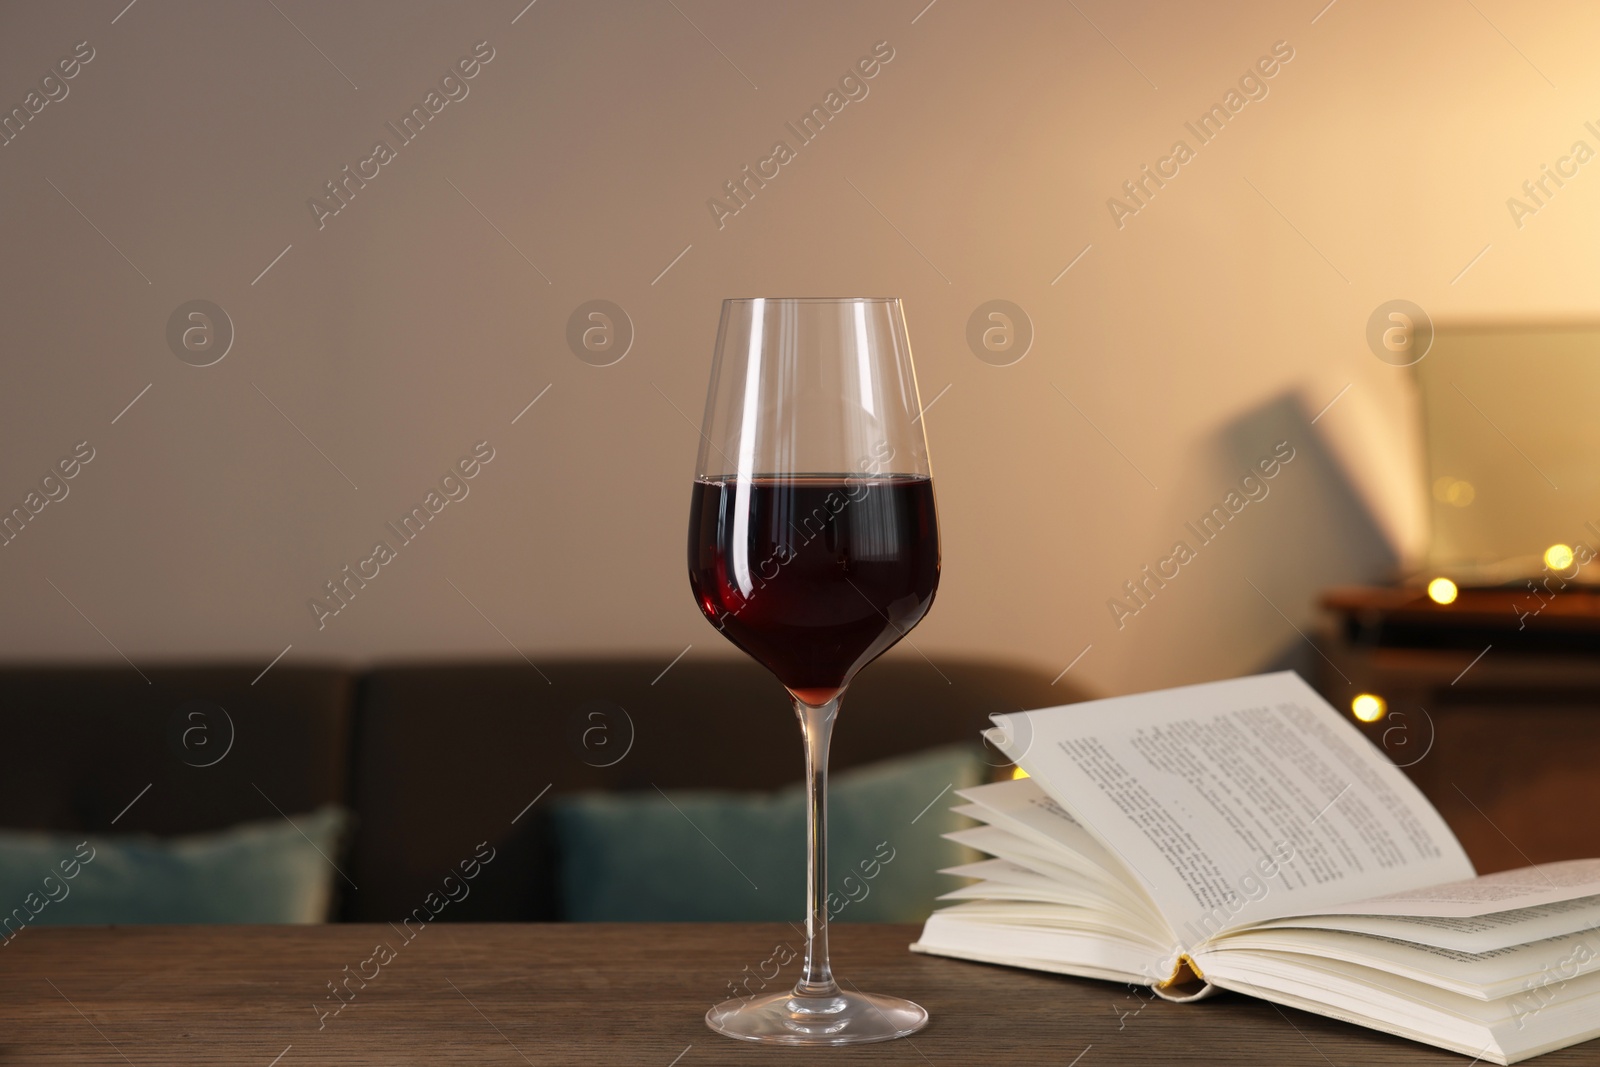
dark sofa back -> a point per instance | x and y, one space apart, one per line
195 748
451 755
433 759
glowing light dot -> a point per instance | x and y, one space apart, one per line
1448 490
1558 557
1442 591
1368 708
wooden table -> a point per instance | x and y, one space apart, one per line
592 994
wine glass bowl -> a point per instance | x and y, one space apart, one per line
814 547
843 568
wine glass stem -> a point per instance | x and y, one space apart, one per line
816 724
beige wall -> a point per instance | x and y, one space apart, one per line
1212 325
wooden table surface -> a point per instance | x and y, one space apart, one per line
593 994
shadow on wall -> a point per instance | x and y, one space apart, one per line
1260 520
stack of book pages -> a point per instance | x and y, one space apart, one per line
1244 835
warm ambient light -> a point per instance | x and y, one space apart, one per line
1454 491
1558 557
1018 772
1442 591
1369 708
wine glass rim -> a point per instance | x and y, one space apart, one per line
813 299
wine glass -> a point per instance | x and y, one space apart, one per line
814 547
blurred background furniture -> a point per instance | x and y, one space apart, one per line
1509 439
434 759
1492 711
1479 670
99 749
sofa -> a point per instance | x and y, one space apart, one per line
439 762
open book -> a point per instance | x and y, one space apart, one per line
1243 835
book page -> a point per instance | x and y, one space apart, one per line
1236 801
1525 887
1023 808
1489 975
1475 933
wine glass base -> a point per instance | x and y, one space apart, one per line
841 1019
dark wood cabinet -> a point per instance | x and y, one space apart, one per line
1492 706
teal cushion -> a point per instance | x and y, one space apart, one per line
263 872
708 856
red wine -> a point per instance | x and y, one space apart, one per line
814 575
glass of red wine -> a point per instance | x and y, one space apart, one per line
814 547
